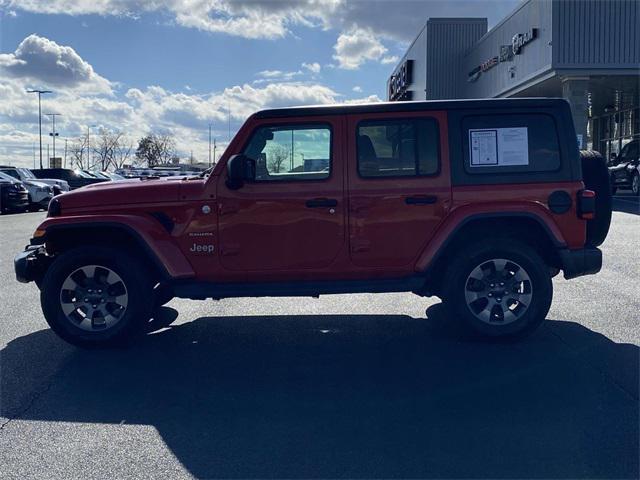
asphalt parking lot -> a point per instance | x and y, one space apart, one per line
341 386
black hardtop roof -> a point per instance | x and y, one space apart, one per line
382 107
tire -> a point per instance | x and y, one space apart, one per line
595 175
635 184
163 294
127 308
525 277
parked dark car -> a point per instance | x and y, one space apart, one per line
624 169
75 178
14 196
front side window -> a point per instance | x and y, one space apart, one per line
285 153
397 148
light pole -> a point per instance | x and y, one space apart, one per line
209 145
53 133
40 92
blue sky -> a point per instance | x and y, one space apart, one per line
171 66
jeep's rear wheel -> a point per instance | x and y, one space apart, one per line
96 296
500 289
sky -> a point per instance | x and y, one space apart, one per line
174 67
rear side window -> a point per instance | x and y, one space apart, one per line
510 143
397 148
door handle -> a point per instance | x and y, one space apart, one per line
321 203
421 200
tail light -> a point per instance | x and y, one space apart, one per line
587 204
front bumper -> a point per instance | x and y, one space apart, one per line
31 264
43 202
576 263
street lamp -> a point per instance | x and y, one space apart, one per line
53 133
40 92
209 145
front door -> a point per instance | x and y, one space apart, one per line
399 185
292 216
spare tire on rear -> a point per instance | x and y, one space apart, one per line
595 176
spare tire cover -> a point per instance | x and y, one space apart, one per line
595 176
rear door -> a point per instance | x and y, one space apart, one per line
399 185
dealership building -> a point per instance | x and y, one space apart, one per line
586 51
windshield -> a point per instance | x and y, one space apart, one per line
629 152
6 178
26 173
12 172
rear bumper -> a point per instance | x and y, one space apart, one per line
31 264
576 263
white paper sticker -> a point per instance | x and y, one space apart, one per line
499 147
484 147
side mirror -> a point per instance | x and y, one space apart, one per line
613 158
240 168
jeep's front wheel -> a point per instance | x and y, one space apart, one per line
96 296
500 289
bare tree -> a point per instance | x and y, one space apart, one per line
122 152
277 155
112 149
79 153
156 149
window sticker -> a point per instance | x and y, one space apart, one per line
499 147
484 147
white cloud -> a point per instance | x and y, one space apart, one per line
398 19
389 59
276 75
357 46
46 63
312 67
357 89
245 18
369 99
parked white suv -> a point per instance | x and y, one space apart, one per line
40 194
24 174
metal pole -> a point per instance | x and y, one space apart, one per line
53 128
40 128
209 145
40 92
65 153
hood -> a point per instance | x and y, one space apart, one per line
53 181
36 183
122 193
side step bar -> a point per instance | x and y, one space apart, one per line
217 291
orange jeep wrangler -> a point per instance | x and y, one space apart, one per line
479 202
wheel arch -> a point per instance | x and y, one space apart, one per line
63 237
526 227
